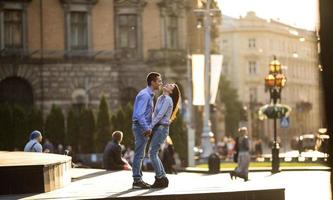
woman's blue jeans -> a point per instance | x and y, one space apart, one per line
160 133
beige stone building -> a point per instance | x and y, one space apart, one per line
69 52
248 45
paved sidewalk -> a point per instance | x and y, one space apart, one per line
91 183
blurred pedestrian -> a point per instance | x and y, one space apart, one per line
129 155
60 149
34 142
168 159
243 160
69 151
258 148
230 148
112 159
48 146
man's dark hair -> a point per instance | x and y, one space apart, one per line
152 76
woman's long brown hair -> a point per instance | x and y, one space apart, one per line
176 97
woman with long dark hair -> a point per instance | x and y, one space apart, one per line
165 112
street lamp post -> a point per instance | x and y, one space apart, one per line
207 14
274 82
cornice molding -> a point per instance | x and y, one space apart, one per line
130 3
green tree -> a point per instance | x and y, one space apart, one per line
73 128
55 126
178 134
87 131
215 30
127 129
5 126
103 125
122 121
35 120
19 133
233 107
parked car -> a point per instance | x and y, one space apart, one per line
307 142
311 142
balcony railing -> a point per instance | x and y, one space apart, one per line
160 57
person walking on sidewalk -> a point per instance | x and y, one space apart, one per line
166 108
141 126
243 160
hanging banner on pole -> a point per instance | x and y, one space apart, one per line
215 75
198 72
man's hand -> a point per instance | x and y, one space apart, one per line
147 133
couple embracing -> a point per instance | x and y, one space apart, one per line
153 122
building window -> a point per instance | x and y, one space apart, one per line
13 29
78 23
252 43
78 31
253 94
127 30
127 40
172 34
252 67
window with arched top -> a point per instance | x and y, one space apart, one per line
16 91
80 99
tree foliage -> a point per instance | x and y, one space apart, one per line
87 131
35 120
55 125
122 121
233 107
5 127
103 125
16 124
73 128
178 134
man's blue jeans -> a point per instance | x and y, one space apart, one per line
139 152
160 133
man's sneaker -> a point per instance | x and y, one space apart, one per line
140 185
160 182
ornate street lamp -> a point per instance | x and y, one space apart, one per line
274 83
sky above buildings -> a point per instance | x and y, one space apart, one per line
299 13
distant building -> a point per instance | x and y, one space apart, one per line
248 45
70 52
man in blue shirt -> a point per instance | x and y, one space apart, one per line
142 118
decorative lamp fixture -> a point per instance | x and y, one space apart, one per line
270 81
280 80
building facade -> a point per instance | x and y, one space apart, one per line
67 52
248 45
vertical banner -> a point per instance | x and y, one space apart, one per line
215 74
198 80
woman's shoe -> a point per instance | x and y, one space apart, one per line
244 177
160 182
232 175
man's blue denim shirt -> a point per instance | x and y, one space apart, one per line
143 108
